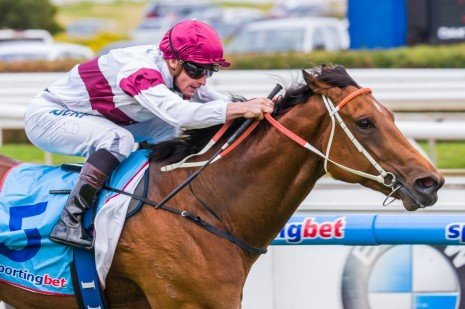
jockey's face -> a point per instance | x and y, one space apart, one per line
187 85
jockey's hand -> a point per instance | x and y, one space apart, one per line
254 108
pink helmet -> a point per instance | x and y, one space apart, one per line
195 41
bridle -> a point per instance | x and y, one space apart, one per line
387 179
333 112
383 175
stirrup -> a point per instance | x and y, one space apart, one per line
66 242
62 234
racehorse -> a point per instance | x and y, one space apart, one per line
164 261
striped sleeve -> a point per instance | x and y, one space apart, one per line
146 85
142 79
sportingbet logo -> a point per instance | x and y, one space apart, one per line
296 232
456 231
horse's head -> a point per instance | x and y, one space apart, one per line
389 154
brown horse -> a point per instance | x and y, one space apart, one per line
164 261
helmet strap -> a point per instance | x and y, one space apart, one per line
175 71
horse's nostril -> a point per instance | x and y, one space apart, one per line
426 183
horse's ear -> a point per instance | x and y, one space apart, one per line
334 93
310 80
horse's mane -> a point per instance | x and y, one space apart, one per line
192 141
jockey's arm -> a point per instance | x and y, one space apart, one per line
149 89
250 109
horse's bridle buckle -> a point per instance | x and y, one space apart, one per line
393 180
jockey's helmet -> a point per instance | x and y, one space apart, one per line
193 41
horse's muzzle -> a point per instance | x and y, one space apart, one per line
423 193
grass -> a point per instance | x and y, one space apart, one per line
451 155
119 17
122 16
32 154
261 6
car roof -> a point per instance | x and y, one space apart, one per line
43 46
38 48
29 34
290 22
183 2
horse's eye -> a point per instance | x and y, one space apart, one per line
365 124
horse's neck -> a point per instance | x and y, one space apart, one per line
262 183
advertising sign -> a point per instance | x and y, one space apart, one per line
362 261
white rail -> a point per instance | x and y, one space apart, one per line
403 90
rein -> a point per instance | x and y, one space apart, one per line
385 178
242 134
333 113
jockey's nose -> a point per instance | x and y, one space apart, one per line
203 80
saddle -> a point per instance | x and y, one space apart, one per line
28 212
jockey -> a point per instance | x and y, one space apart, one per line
102 108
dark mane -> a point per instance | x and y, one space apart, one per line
335 76
193 141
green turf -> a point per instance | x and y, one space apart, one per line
449 155
29 153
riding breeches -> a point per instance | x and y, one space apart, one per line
54 128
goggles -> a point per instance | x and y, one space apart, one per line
195 71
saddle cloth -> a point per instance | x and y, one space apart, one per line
28 212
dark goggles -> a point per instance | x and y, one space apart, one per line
195 71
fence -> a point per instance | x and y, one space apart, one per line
401 261
402 90
391 259
373 229
328 270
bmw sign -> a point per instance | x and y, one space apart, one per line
404 277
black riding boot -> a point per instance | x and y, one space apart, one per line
69 229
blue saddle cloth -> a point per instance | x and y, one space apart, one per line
28 212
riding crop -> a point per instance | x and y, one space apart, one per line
233 137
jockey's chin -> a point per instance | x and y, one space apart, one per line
189 92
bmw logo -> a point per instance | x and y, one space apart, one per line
404 277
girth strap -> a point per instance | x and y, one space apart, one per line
183 213
197 220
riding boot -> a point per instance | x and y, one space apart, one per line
69 229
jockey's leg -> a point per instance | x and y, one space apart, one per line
69 229
52 127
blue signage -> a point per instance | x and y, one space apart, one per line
372 229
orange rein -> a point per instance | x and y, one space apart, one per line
286 131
